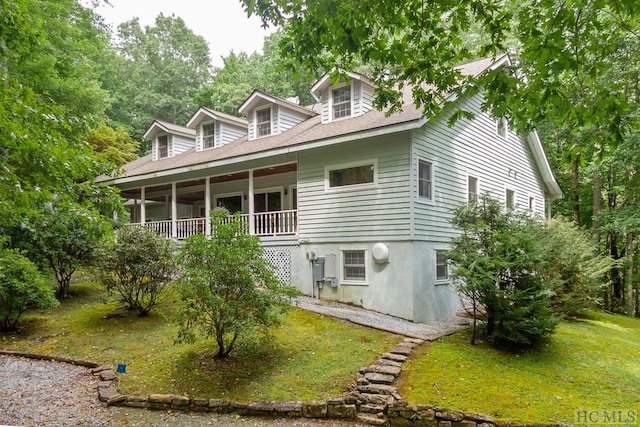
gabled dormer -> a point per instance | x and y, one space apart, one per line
215 129
168 139
351 97
269 115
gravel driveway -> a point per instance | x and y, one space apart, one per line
43 393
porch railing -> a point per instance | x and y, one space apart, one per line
277 223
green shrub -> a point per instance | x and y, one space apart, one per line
577 272
500 269
137 264
228 289
21 287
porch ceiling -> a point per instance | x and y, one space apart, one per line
191 191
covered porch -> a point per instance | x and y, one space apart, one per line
265 198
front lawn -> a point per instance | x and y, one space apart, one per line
591 364
311 357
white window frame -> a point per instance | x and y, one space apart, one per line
234 194
437 280
420 198
356 282
532 204
291 189
213 135
166 135
329 168
257 124
477 189
502 125
333 104
267 190
506 198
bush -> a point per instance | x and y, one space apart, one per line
501 269
578 272
228 289
21 287
137 265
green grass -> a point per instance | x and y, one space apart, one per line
311 357
590 364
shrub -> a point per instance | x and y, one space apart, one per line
137 265
21 287
228 290
501 269
578 271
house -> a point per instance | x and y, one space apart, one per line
350 205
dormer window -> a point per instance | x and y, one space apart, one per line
341 102
263 122
208 135
163 146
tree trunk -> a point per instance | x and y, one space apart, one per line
575 199
629 279
597 205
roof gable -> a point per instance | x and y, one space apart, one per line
327 80
205 113
159 127
258 98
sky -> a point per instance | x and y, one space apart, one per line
223 23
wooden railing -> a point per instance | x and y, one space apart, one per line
277 223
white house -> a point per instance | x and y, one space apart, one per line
350 205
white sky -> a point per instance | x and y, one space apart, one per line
223 23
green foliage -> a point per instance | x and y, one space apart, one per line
113 145
501 272
21 288
228 289
242 73
576 270
61 238
159 70
138 265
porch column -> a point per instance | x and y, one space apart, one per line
252 227
143 213
134 214
207 206
174 210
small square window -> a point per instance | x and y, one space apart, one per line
442 266
341 102
353 175
510 198
263 122
472 189
163 146
354 266
425 180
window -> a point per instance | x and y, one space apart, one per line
263 122
353 265
208 135
532 203
425 180
510 198
341 102
163 146
472 189
442 266
231 202
502 127
352 175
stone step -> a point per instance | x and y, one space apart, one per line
381 369
372 409
401 350
376 399
387 362
378 389
394 357
371 420
376 378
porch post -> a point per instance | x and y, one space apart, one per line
207 206
134 214
252 227
174 210
143 213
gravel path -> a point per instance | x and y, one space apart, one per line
426 331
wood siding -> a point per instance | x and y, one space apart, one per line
229 133
289 118
470 148
356 97
251 125
180 144
358 213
